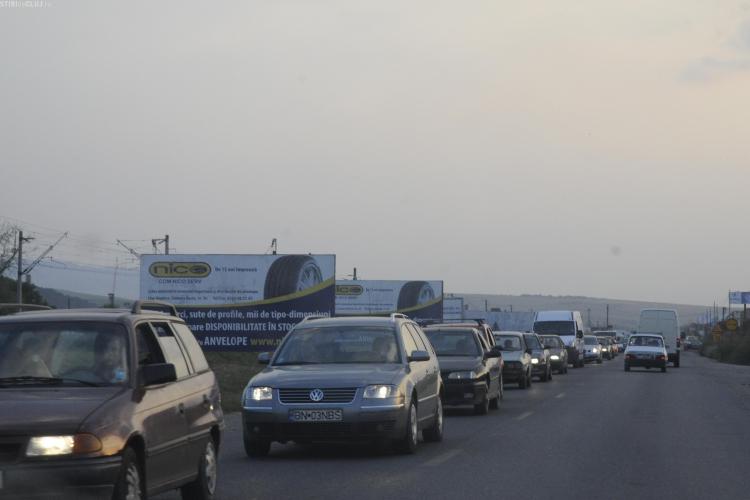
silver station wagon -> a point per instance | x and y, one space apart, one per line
369 379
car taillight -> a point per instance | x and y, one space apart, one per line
660 357
631 356
678 341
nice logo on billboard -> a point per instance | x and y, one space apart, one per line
179 269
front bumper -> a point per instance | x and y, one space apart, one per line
460 393
512 372
590 356
385 421
60 478
558 363
539 369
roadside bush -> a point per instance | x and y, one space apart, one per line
735 349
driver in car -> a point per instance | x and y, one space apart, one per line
109 358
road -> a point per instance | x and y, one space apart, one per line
596 432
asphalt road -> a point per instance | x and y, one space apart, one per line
596 432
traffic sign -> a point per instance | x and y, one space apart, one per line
731 324
716 330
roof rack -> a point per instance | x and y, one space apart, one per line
154 305
314 317
399 316
22 307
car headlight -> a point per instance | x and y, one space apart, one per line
46 446
380 391
594 350
534 361
554 357
462 375
259 393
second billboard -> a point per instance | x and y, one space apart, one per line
420 300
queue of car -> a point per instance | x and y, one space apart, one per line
123 404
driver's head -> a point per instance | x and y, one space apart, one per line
108 350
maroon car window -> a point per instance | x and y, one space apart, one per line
193 347
149 351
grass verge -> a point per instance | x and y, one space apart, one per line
233 369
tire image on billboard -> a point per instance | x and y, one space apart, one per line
290 274
415 293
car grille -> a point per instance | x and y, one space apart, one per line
298 396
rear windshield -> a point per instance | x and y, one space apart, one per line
65 353
532 342
340 344
454 342
646 341
555 327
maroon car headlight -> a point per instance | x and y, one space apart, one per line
50 446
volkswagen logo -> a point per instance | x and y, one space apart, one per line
316 395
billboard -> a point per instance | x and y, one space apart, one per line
453 308
241 302
417 299
739 297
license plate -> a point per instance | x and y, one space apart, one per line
316 415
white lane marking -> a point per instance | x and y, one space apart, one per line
442 458
524 415
560 396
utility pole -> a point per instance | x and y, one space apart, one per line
155 242
354 276
607 316
19 281
166 245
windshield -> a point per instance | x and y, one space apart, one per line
646 341
553 342
454 343
556 327
508 342
590 340
341 344
89 353
532 342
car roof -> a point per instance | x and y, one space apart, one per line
503 332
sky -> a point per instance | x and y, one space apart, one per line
594 148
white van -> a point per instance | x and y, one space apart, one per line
663 322
569 326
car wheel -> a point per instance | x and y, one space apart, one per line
290 274
435 433
129 483
204 486
528 379
484 406
549 373
415 293
255 448
522 382
627 367
676 363
664 369
599 361
408 444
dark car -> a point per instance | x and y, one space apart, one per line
605 346
484 329
540 360
107 403
365 379
516 358
471 372
558 354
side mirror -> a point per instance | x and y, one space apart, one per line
264 358
529 351
417 356
493 353
155 374
579 334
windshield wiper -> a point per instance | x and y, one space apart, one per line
290 363
30 380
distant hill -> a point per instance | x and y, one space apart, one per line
623 314
64 299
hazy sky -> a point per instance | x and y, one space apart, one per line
595 147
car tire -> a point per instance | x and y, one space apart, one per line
130 480
483 407
522 382
528 380
255 448
599 361
664 369
204 486
676 363
434 434
627 367
549 373
408 444
290 274
414 293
